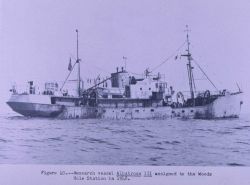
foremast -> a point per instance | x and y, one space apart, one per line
190 68
79 66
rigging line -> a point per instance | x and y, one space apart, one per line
141 74
169 57
72 56
67 76
96 67
98 84
92 65
135 73
205 74
100 69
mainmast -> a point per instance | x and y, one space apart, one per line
79 67
190 68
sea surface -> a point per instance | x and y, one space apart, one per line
125 142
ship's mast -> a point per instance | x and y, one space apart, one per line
79 67
189 67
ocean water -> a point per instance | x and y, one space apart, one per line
125 142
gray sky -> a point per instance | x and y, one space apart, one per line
38 37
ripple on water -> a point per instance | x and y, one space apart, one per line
235 164
34 140
94 140
30 129
4 140
18 118
154 147
238 128
246 126
172 142
224 132
241 142
146 130
150 142
150 136
55 139
154 159
242 127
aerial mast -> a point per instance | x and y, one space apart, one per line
79 67
189 67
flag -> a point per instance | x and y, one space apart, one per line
124 58
70 65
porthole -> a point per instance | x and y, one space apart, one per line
183 111
152 110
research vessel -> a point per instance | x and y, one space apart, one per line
122 95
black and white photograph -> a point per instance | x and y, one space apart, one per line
125 83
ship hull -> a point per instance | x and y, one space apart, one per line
227 106
116 113
36 109
34 105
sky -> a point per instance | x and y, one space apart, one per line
37 38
